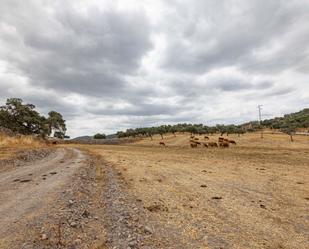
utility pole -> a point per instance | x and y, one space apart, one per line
260 119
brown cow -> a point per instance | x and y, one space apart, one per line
191 136
232 142
162 143
196 138
193 145
212 144
224 144
221 139
205 145
206 137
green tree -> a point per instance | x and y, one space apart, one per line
290 130
99 136
21 118
56 124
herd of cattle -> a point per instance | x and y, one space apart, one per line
222 142
195 141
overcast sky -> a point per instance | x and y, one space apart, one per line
112 65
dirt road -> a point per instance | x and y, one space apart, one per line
23 190
30 194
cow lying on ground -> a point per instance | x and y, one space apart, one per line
232 142
224 144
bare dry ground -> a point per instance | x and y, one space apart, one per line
252 195
143 195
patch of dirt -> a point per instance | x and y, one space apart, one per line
128 223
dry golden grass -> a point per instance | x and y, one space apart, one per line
252 195
9 146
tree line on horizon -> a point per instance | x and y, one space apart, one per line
23 119
288 124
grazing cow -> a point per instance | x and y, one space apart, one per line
212 144
197 142
226 140
206 137
196 138
232 142
205 145
54 142
162 143
221 139
193 145
224 144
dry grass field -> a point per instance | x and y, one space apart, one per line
252 195
10 145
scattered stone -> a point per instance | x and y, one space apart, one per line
147 229
44 178
53 173
203 186
300 183
216 197
132 243
77 241
44 236
26 180
16 180
262 206
86 213
73 224
156 208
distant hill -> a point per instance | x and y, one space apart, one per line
86 138
297 119
111 136
82 138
